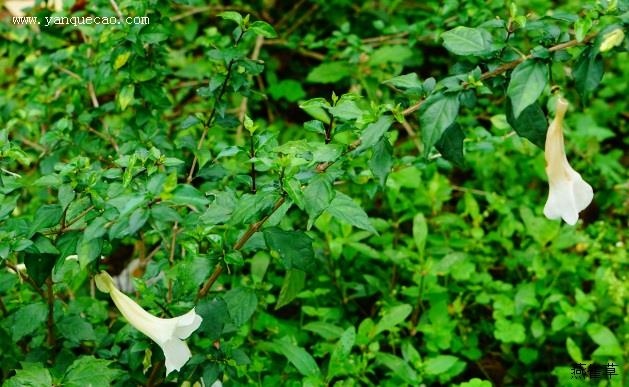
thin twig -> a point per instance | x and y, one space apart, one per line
208 122
218 269
51 313
116 9
510 65
171 260
242 110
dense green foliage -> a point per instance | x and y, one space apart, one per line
349 193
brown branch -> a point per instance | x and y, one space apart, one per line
171 260
218 269
50 324
116 9
156 368
208 122
511 65
242 109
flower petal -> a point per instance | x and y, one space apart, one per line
177 354
187 324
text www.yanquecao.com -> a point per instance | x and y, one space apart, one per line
79 20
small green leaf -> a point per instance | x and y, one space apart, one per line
381 160
392 318
573 350
346 210
39 266
450 145
31 375
263 28
90 371
406 81
436 115
233 16
241 303
294 247
317 196
46 216
439 364
588 72
126 96
329 72
121 59
294 281
467 41
605 338
420 232
527 83
531 124
28 319
374 132
341 352
582 27
297 356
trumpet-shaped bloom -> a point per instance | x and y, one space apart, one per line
569 194
168 333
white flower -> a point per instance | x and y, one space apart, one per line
569 194
168 333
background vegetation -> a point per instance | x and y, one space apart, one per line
361 255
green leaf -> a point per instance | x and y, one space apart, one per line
31 375
263 28
326 330
439 364
582 27
467 41
89 251
527 83
374 132
288 89
450 145
241 303
588 72
381 160
317 196
297 356
399 367
46 216
90 371
531 124
215 314
76 329
573 350
126 96
66 195
509 332
294 247
39 266
121 59
186 194
294 281
27 320
346 210
436 115
406 81
420 232
605 338
95 229
341 352
233 16
392 317
329 72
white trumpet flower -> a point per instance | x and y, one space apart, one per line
168 333
569 194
